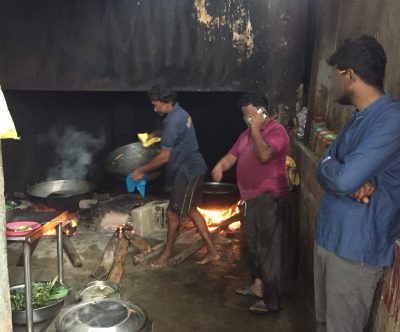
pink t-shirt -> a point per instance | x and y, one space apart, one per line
255 178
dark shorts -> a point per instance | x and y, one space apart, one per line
186 194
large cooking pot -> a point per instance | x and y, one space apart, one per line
129 157
61 194
219 196
103 315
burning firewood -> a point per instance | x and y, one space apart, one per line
103 267
138 242
183 238
199 243
119 261
71 251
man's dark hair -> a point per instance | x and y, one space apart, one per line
253 98
365 56
163 94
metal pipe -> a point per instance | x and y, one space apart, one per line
28 286
60 258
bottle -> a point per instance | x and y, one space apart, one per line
317 125
324 143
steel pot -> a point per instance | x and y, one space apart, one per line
103 315
98 289
129 157
219 195
40 314
61 194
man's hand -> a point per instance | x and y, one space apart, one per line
364 193
137 175
257 122
217 173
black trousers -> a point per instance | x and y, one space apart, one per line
263 238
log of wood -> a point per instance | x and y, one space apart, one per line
33 247
138 242
199 243
119 261
71 251
104 265
157 249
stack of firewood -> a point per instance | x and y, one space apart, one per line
111 265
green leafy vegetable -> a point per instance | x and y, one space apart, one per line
43 294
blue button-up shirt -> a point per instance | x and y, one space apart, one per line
367 149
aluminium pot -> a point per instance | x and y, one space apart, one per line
103 315
98 289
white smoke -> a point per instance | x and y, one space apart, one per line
74 150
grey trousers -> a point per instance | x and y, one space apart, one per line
344 291
262 231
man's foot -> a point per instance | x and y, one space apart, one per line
210 257
260 308
161 262
249 291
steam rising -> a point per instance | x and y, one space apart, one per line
74 150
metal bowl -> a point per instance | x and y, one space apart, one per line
98 289
40 314
129 157
102 315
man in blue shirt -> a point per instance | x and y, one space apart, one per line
185 170
359 216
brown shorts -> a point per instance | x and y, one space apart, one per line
186 194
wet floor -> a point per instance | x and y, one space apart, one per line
189 297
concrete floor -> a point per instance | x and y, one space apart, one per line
189 297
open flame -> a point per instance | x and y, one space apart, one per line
214 217
69 224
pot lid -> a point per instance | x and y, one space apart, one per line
102 315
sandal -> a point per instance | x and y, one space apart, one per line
246 291
260 308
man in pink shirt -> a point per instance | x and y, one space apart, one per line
260 154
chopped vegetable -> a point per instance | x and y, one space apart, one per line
43 294
23 228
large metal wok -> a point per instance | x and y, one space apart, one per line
129 157
219 195
60 194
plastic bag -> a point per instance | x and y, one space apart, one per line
7 127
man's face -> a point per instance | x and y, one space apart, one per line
341 87
248 112
162 108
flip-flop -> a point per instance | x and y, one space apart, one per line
246 291
260 308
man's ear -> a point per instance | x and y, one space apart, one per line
350 73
